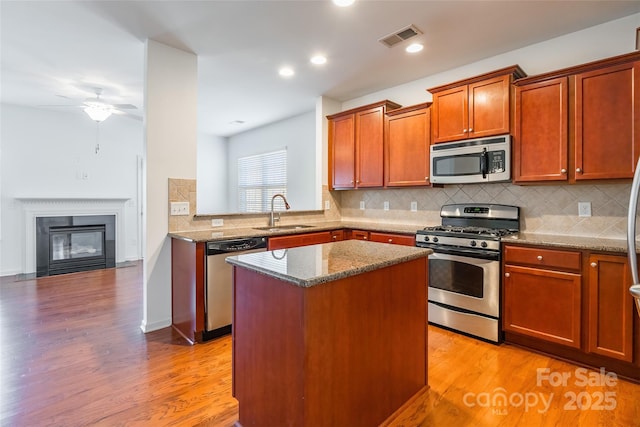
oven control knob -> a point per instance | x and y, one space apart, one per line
426 238
473 243
435 240
483 244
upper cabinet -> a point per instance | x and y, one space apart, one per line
356 146
475 107
579 123
407 139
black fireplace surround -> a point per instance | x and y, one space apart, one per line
66 244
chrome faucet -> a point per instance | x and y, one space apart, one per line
272 220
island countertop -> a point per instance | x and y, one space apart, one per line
308 266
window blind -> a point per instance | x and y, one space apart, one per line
260 177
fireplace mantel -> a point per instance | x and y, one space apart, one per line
35 206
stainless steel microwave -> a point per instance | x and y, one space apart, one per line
471 161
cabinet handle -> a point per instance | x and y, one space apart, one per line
390 240
358 181
507 274
594 264
334 237
426 178
352 181
578 170
364 238
464 131
539 257
563 171
470 130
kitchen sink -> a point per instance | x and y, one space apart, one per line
283 227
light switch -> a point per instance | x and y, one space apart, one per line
327 205
179 208
217 222
386 206
414 206
361 205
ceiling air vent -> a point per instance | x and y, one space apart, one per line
400 35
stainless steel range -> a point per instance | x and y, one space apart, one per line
464 270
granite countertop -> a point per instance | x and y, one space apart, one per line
569 242
214 234
308 266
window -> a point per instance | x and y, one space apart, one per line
259 178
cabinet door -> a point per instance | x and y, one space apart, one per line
544 304
343 151
370 148
540 130
450 120
489 107
395 239
611 307
407 148
607 140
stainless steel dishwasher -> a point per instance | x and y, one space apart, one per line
218 289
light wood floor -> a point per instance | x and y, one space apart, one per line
72 354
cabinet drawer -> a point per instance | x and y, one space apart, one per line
359 235
549 258
396 239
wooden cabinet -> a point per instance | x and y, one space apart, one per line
358 235
475 107
606 122
396 239
541 139
611 307
543 294
407 140
580 123
283 242
188 264
356 146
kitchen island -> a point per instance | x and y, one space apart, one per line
331 334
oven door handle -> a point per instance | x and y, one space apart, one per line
469 253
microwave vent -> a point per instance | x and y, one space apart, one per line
400 36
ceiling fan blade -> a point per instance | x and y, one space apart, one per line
61 106
124 106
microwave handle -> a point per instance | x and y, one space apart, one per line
484 163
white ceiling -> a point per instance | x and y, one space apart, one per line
56 49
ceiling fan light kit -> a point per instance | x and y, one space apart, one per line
98 111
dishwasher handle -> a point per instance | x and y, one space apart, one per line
237 245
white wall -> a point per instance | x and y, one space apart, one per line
52 154
171 83
298 135
212 184
609 39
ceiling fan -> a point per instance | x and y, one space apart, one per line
98 109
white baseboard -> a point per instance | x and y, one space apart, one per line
154 326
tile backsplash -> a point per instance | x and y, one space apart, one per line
549 209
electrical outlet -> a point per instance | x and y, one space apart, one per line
386 206
327 205
584 208
414 206
179 208
361 205
217 222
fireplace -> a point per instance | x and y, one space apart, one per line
67 244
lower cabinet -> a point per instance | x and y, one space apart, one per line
539 300
554 303
611 308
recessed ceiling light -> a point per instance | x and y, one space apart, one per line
286 72
343 3
319 59
414 47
